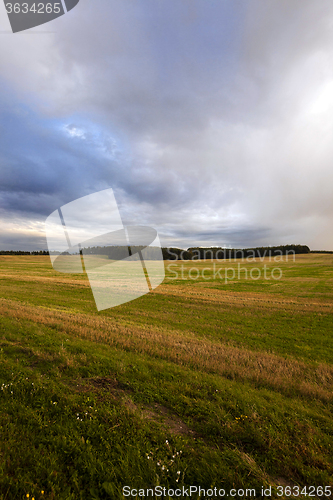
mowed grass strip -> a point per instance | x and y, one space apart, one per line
271 316
262 368
74 422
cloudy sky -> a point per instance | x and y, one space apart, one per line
212 120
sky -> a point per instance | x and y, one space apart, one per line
211 120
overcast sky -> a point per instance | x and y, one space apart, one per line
212 120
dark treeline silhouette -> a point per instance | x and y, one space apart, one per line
321 251
23 252
112 252
170 253
121 252
176 254
208 253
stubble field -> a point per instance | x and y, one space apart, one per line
205 381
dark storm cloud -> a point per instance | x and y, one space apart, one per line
157 68
43 164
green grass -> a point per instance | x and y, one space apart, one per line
220 383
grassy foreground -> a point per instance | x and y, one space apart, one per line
212 379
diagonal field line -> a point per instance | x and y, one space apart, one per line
145 272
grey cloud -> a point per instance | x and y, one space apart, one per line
10 241
213 103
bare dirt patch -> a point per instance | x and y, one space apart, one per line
162 415
155 413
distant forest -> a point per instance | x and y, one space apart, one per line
196 253
193 253
23 252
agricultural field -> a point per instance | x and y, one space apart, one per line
217 378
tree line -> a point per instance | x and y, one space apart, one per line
210 253
172 253
23 252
